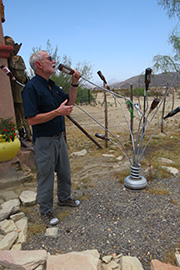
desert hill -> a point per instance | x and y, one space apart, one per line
157 80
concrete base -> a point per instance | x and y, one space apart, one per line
17 170
136 184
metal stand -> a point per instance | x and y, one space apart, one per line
134 180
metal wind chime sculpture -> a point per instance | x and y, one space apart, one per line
134 180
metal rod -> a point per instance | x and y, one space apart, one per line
19 83
127 123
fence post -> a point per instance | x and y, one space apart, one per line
106 117
172 99
163 109
89 97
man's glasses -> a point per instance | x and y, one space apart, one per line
50 58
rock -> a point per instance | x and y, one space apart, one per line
16 247
80 153
8 240
107 259
17 216
165 160
7 226
113 265
8 195
22 225
10 266
130 263
177 255
40 267
108 155
8 208
28 197
117 257
106 267
157 265
53 232
172 170
29 259
119 158
88 260
26 169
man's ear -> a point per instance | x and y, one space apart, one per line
38 64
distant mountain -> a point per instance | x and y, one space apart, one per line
157 80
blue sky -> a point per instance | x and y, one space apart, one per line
118 37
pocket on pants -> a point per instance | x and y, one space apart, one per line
43 154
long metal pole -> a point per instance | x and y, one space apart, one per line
131 118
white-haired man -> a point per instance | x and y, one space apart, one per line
45 105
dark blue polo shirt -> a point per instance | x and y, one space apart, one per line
38 98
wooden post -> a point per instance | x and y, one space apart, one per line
106 116
89 97
172 99
163 109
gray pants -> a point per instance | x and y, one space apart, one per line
51 156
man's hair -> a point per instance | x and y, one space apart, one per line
36 56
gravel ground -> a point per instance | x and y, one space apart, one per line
113 219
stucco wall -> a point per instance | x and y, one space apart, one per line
6 100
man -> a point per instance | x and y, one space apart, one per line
45 104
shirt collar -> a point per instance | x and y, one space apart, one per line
43 80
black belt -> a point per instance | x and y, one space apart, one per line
57 135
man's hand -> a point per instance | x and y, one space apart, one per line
63 109
76 76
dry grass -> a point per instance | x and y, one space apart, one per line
170 255
157 191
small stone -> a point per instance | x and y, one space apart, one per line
7 226
172 170
17 216
8 240
53 232
8 208
108 155
107 259
165 160
9 195
119 158
28 197
80 153
130 263
113 264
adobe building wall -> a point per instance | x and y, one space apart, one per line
6 99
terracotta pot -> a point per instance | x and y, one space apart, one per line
8 150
